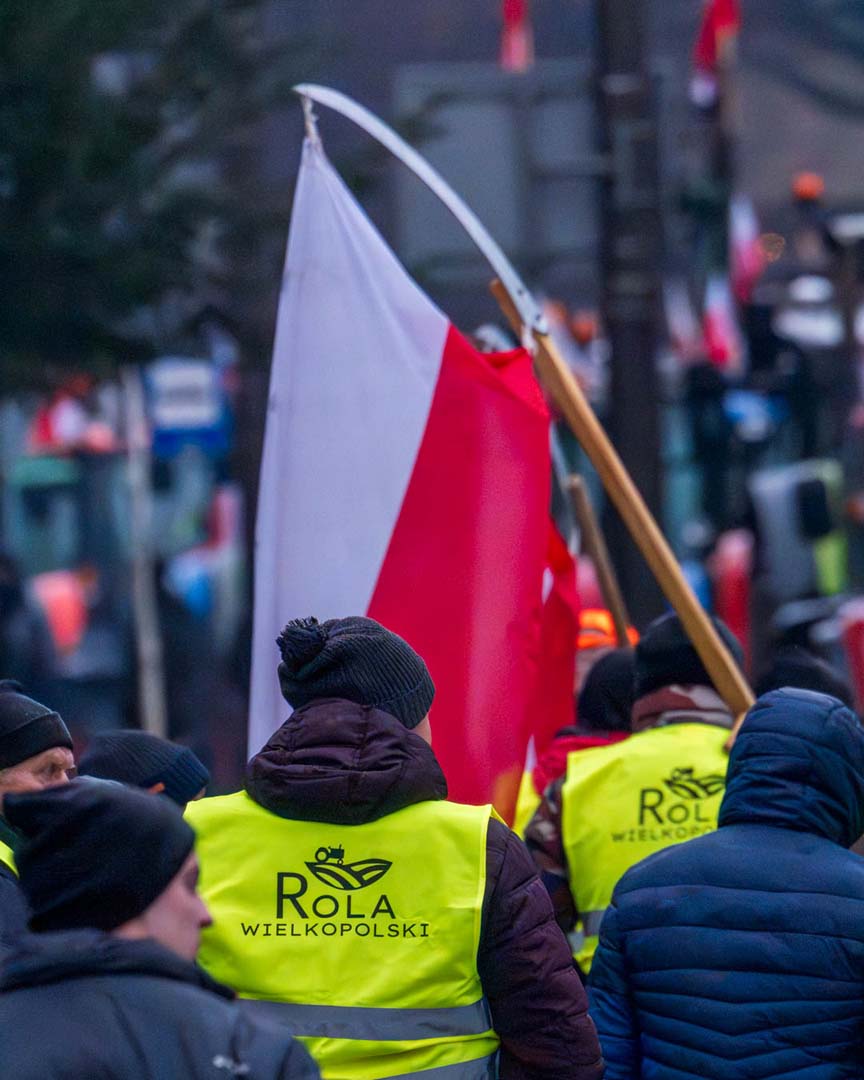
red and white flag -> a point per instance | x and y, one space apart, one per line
746 256
721 23
721 20
405 477
517 37
723 343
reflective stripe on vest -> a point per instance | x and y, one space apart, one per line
484 1069
622 803
377 1025
7 858
362 938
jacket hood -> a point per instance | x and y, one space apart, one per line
52 957
798 763
345 764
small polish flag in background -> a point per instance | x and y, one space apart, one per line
746 256
405 477
721 24
723 342
517 37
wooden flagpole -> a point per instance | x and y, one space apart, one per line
558 380
594 546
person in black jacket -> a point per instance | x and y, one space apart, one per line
106 986
35 753
144 760
353 757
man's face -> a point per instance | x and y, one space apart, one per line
424 729
48 769
176 918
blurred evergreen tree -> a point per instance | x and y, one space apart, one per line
121 217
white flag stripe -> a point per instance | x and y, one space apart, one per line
356 360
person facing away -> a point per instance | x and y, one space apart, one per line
741 953
617 804
602 718
794 666
35 753
397 933
106 985
143 760
28 652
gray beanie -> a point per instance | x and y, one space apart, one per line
356 659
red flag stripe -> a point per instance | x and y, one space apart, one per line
462 576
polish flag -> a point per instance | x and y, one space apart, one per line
746 257
721 24
517 37
721 21
723 342
405 477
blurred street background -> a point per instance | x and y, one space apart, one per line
680 182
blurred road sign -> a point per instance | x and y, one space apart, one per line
186 404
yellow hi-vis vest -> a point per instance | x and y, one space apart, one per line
7 857
527 802
362 938
622 803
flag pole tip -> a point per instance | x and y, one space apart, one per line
310 121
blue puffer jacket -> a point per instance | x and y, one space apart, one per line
740 955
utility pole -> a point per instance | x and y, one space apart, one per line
152 708
630 261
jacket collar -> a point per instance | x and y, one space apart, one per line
681 705
40 959
338 762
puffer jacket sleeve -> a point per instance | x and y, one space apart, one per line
611 1004
539 1008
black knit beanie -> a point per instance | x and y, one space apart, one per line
26 727
144 760
666 657
606 699
356 659
95 854
795 667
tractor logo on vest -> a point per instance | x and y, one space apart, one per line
326 900
331 869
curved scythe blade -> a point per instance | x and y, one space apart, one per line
529 311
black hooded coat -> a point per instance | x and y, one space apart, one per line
343 763
82 1005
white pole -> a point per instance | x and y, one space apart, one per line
145 611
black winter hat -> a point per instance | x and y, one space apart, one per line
606 699
666 657
356 659
794 666
144 760
95 853
26 727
